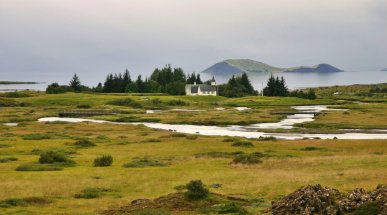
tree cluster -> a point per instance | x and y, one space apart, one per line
237 87
74 86
276 87
310 94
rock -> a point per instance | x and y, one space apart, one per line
318 200
307 200
140 201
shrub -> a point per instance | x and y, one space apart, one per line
177 103
243 144
144 162
196 190
39 167
254 158
135 119
178 135
104 160
7 159
88 193
231 207
84 143
152 140
36 137
55 88
126 102
16 95
14 202
266 138
84 106
311 148
7 103
50 157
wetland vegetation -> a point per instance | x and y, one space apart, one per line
48 166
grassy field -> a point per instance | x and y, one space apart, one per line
149 163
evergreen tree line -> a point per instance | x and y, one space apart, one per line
237 87
277 87
173 81
165 80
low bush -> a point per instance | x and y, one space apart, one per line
14 202
144 162
8 103
84 106
126 102
36 137
135 119
16 95
177 103
7 159
196 190
84 143
311 148
231 208
243 144
50 157
152 140
220 154
178 135
267 138
90 193
39 167
103 161
254 158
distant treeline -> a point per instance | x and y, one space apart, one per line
173 80
165 80
16 82
277 87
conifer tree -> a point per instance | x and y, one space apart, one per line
75 83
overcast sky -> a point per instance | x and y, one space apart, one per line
48 39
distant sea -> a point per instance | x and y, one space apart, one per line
306 80
293 80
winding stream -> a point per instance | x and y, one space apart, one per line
305 114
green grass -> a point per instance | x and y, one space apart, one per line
159 160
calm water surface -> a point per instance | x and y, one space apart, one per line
293 80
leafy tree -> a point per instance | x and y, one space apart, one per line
75 83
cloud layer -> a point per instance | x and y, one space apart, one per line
51 39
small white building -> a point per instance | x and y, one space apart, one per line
201 89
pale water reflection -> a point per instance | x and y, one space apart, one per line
245 131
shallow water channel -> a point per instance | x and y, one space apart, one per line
304 114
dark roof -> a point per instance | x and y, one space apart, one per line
203 88
194 89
